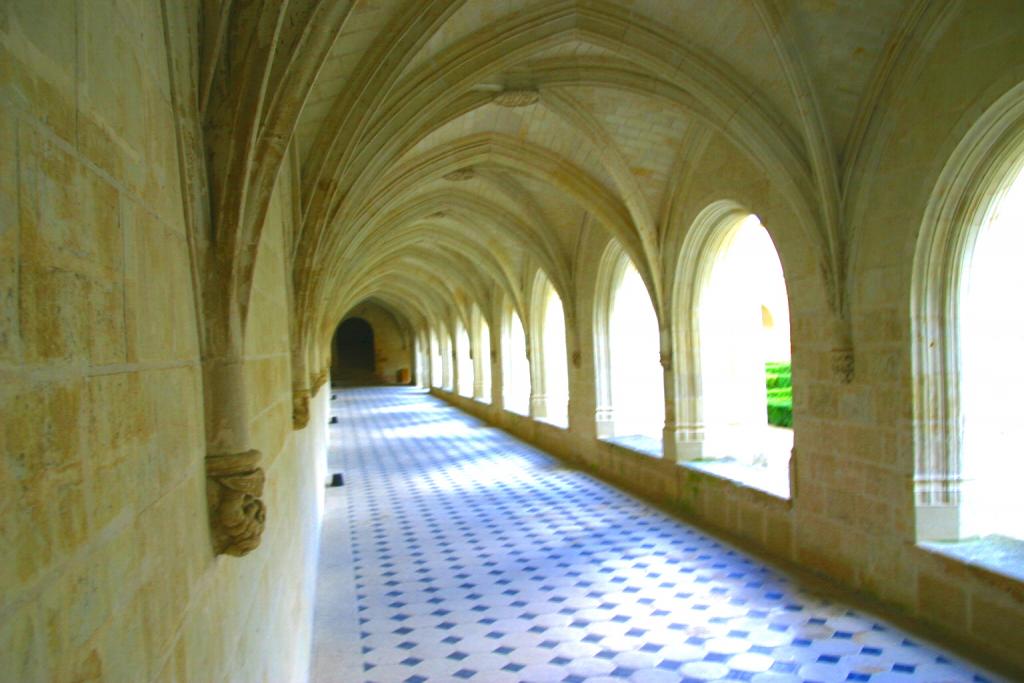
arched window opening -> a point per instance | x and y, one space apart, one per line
991 331
483 389
550 399
436 361
464 361
555 366
743 323
517 366
637 384
967 334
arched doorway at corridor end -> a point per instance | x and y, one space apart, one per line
353 353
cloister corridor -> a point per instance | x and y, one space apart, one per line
456 552
655 340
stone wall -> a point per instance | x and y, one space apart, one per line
107 571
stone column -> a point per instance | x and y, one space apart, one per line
669 448
538 395
447 372
478 367
497 365
538 405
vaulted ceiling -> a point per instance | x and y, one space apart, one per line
449 148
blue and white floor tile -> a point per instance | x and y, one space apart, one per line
475 557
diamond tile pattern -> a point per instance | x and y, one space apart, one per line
479 558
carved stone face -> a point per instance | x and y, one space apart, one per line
237 515
240 515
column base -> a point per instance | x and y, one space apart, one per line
938 522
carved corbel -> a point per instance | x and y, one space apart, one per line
842 364
842 357
234 484
300 408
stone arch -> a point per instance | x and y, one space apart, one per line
513 358
609 274
500 151
970 185
353 348
394 358
480 340
710 238
729 107
693 268
618 358
544 358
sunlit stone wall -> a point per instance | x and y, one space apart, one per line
106 568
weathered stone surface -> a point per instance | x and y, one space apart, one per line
192 199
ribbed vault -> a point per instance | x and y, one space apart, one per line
448 150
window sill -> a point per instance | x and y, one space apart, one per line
640 444
999 555
552 423
775 484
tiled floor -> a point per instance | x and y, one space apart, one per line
455 552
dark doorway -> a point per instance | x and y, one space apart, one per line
354 356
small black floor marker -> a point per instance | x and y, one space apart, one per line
337 479
334 419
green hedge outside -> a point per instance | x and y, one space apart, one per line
778 375
779 385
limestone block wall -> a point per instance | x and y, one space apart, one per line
106 571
